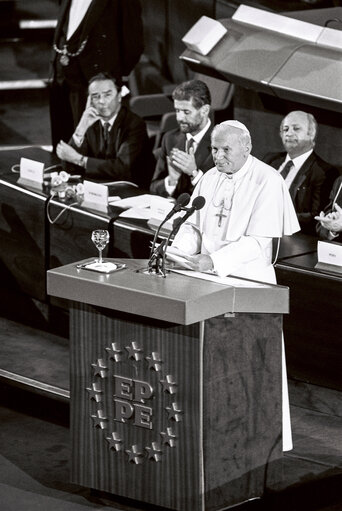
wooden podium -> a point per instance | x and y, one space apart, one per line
175 385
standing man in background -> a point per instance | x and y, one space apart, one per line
91 36
307 176
185 151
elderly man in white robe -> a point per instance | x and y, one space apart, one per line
247 205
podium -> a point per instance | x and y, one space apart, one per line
175 385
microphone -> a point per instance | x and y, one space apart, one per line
197 204
181 202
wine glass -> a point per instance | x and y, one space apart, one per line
100 238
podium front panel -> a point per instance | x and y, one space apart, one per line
135 401
187 417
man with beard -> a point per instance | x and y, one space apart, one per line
185 151
110 142
308 177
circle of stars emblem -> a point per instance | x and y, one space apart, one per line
101 370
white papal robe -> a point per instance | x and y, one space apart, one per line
243 212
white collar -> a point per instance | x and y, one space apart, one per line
236 176
198 137
299 160
111 121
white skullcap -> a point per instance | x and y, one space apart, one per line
236 124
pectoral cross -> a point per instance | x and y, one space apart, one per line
221 215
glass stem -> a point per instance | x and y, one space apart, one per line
100 256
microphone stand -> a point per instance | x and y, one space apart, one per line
197 204
155 265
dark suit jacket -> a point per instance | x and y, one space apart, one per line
310 188
322 232
175 138
114 33
128 156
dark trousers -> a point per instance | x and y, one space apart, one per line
66 108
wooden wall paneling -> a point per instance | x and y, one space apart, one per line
23 239
212 425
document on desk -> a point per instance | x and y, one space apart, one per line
137 201
142 213
226 281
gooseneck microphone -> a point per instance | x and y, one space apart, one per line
196 205
181 202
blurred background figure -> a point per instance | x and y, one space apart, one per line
91 36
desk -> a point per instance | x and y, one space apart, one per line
313 328
30 246
23 237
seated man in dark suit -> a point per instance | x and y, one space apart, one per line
329 225
308 177
110 143
185 151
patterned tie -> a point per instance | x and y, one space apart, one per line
189 144
106 134
287 169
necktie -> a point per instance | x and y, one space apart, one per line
189 144
287 169
106 126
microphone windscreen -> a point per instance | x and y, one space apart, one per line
183 199
198 202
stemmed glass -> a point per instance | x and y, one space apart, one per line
100 238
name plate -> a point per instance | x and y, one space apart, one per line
329 256
31 171
95 196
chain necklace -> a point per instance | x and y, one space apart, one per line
65 54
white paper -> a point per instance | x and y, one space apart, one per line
95 193
138 201
142 213
113 198
329 253
31 170
227 281
103 267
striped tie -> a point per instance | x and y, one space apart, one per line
287 169
189 144
106 126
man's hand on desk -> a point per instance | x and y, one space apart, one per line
67 153
332 221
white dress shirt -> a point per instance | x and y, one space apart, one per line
197 139
298 162
77 12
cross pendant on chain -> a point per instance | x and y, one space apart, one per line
221 215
